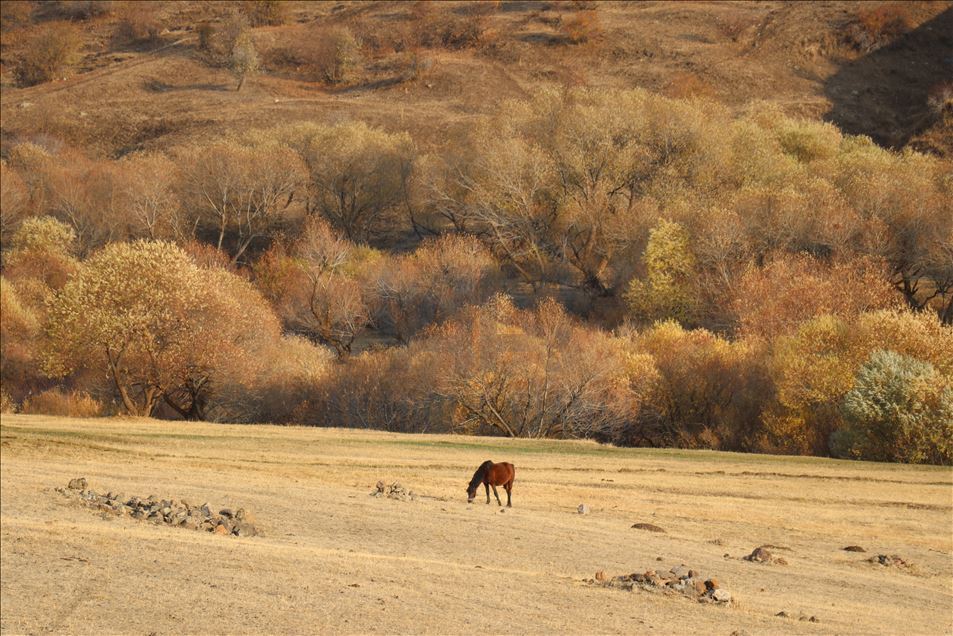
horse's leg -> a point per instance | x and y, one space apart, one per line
497 495
509 493
487 485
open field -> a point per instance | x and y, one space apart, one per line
332 559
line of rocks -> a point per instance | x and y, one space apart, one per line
172 512
393 491
679 580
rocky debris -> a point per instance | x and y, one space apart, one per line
889 561
679 580
762 555
853 548
647 526
393 491
172 512
583 509
801 617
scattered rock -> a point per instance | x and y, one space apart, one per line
171 512
78 484
583 509
853 548
678 580
393 491
782 614
647 526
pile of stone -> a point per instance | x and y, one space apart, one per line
762 555
393 491
889 561
172 512
679 580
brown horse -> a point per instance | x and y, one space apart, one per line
490 474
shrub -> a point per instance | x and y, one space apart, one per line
139 24
265 12
244 59
48 54
334 55
580 27
436 27
669 289
63 404
900 409
19 331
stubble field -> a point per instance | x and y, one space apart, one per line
332 559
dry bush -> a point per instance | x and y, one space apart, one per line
238 194
78 9
14 202
431 284
580 27
686 84
317 289
332 55
15 14
41 249
138 24
19 332
436 27
48 54
63 404
877 24
773 300
265 12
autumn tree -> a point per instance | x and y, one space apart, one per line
358 175
238 193
158 326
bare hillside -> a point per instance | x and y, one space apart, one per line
818 60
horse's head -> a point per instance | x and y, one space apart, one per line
471 492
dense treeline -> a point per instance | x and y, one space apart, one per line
604 264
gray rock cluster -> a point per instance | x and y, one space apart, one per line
679 580
393 491
172 512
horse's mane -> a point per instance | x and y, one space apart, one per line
479 474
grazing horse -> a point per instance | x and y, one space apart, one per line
490 474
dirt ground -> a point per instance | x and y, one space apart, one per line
332 559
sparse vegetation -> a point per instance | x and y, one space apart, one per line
613 264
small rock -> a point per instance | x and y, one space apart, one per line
226 512
813 619
853 548
783 614
601 575
647 526
680 572
583 509
721 596
700 587
78 484
711 584
222 530
658 558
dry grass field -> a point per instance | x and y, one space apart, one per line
332 559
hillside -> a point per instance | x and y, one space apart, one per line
817 60
332 559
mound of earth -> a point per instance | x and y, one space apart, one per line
172 512
762 555
679 580
393 491
647 526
